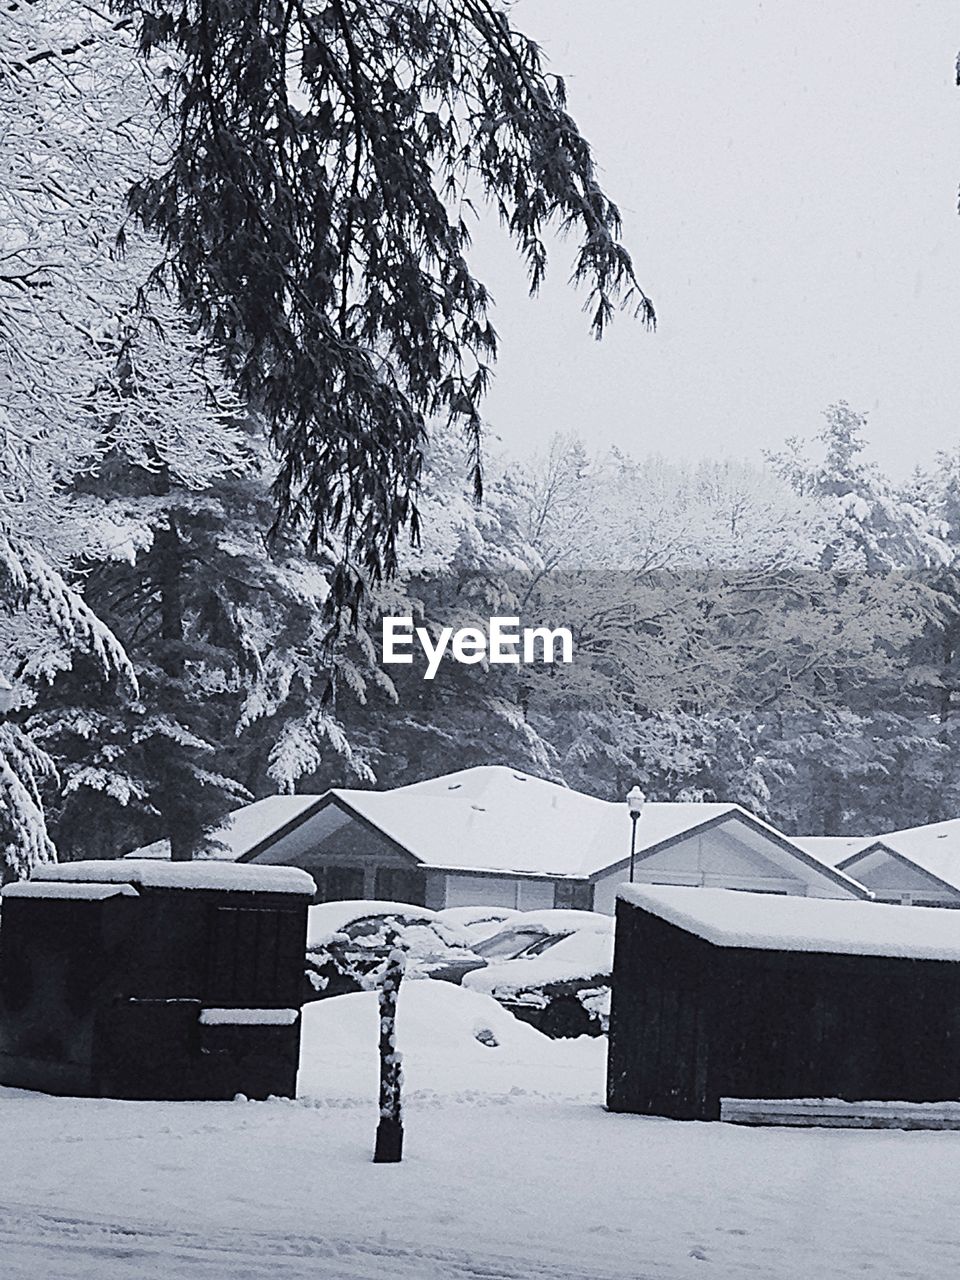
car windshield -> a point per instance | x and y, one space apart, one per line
543 943
371 925
511 942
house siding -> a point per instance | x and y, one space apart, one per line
729 855
520 892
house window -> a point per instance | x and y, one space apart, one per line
401 884
571 893
343 882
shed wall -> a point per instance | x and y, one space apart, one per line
692 1023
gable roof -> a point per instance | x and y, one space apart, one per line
245 830
728 918
495 819
934 848
833 850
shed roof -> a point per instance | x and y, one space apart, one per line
769 922
178 875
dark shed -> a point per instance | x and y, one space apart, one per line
153 979
720 994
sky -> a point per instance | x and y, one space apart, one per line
787 173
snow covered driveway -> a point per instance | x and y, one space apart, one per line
512 1170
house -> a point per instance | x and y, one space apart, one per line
721 995
492 835
920 865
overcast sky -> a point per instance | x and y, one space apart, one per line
787 174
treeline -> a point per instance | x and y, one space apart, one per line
784 636
780 636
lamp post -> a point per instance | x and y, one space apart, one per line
635 801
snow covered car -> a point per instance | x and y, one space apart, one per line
348 941
550 968
478 922
563 990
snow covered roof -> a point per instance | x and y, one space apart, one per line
490 818
771 922
493 818
833 850
243 829
180 875
935 848
55 889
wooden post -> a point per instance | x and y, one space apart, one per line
389 1144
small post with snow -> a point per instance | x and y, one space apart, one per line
389 1144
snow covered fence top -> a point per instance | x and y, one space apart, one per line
769 922
151 874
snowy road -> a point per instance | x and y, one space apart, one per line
512 1171
62 1248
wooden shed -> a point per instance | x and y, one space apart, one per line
153 980
722 994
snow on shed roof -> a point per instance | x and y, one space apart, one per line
68 890
493 818
252 878
771 922
934 848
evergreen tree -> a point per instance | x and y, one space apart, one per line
322 164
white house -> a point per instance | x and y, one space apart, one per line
496 836
917 866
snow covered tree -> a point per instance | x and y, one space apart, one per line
50 626
882 759
92 365
474 563
875 527
220 627
323 162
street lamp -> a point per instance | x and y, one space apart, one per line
635 801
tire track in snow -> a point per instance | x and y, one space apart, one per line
35 1243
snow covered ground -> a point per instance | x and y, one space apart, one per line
512 1171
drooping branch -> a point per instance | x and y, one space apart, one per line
312 209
